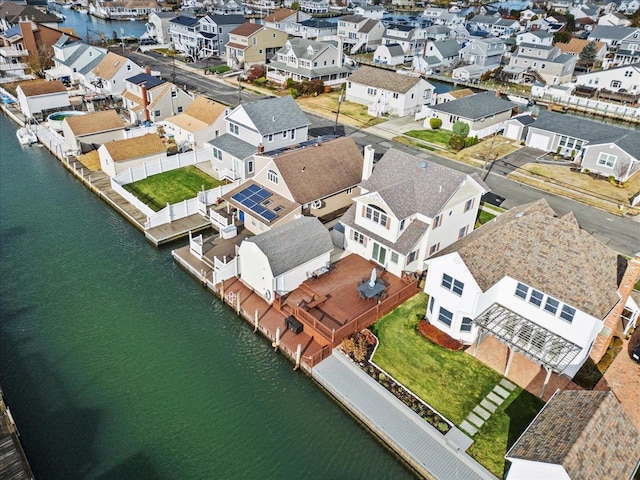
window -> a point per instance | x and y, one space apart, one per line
606 160
445 316
270 138
293 134
552 305
395 95
129 68
371 91
452 284
402 223
615 83
426 94
284 134
462 232
567 313
412 257
376 214
522 290
217 154
394 257
358 237
174 93
468 205
272 176
434 248
628 73
180 109
349 190
536 298
156 113
431 302
250 166
234 129
466 324
255 40
437 221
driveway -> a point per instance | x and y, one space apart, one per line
515 160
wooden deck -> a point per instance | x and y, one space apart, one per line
13 462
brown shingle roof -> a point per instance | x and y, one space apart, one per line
109 65
138 147
94 122
587 432
367 27
549 253
42 87
379 78
320 170
279 15
246 29
576 45
205 110
463 92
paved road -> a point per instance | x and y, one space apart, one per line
620 233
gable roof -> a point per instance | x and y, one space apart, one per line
42 87
385 79
246 29
476 106
395 49
228 19
184 20
279 15
233 146
109 65
409 184
11 12
148 81
320 169
94 122
576 45
611 32
551 254
447 48
273 115
137 147
205 110
587 432
293 244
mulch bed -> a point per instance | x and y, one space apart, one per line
359 348
438 337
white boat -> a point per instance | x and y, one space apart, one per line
519 100
26 136
84 11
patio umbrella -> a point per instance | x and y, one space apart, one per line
372 281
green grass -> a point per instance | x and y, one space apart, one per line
484 217
171 187
433 136
219 69
451 382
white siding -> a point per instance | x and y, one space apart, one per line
528 470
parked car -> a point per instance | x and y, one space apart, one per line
635 355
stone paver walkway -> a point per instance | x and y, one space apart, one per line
487 406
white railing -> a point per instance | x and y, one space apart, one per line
166 164
225 270
219 221
597 105
13 52
131 198
140 131
195 245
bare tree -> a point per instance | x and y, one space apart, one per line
41 60
622 169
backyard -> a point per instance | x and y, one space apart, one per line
440 137
171 187
451 382
352 114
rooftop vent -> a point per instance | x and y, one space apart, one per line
422 164
519 215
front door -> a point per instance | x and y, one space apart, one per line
379 253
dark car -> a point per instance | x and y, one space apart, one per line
635 355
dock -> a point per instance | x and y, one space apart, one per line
13 462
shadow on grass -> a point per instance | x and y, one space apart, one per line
521 412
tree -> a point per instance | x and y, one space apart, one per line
461 129
295 5
435 123
571 23
41 60
561 37
456 142
589 53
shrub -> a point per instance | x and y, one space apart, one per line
260 82
435 123
290 83
256 71
470 141
293 92
456 142
461 129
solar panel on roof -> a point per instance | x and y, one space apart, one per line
251 197
253 188
269 215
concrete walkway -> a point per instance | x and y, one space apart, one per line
432 454
483 411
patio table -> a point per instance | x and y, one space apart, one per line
368 291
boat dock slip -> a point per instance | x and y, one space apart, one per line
13 462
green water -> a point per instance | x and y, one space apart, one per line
117 365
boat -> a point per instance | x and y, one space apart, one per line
519 100
83 11
26 136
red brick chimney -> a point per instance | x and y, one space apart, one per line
147 70
260 148
145 103
612 320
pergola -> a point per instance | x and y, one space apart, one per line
533 341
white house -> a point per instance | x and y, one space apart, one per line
538 283
545 63
360 33
151 99
408 210
83 133
384 91
120 155
410 38
285 19
614 19
374 12
626 78
485 113
73 60
158 27
535 37
571 423
436 53
279 260
200 122
109 76
389 54
38 96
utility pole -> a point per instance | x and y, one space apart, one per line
239 91
340 100
173 68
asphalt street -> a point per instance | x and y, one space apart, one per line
620 233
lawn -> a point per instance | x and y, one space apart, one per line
438 136
171 187
484 217
451 382
351 113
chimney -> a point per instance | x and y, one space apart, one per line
612 320
497 93
260 148
147 70
367 164
145 103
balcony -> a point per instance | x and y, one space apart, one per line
12 52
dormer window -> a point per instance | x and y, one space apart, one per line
376 215
272 176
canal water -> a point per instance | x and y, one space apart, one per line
84 24
117 365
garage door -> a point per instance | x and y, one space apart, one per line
539 141
512 131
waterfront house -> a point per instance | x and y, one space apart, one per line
494 24
73 60
314 6
390 54
109 76
383 91
535 37
438 32
543 287
304 60
120 155
228 7
436 54
411 39
485 113
83 133
268 124
360 33
201 121
158 27
576 45
484 54
151 99
540 63
374 12
453 95
40 96
123 9
203 37
279 260
625 78
578 435
285 19
599 148
251 44
408 210
315 29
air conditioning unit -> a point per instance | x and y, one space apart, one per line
316 204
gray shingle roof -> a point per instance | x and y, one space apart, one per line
293 244
476 106
233 146
447 48
228 19
611 32
587 432
385 79
274 115
409 184
395 49
551 254
184 20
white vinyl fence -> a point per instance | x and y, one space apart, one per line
155 167
597 105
